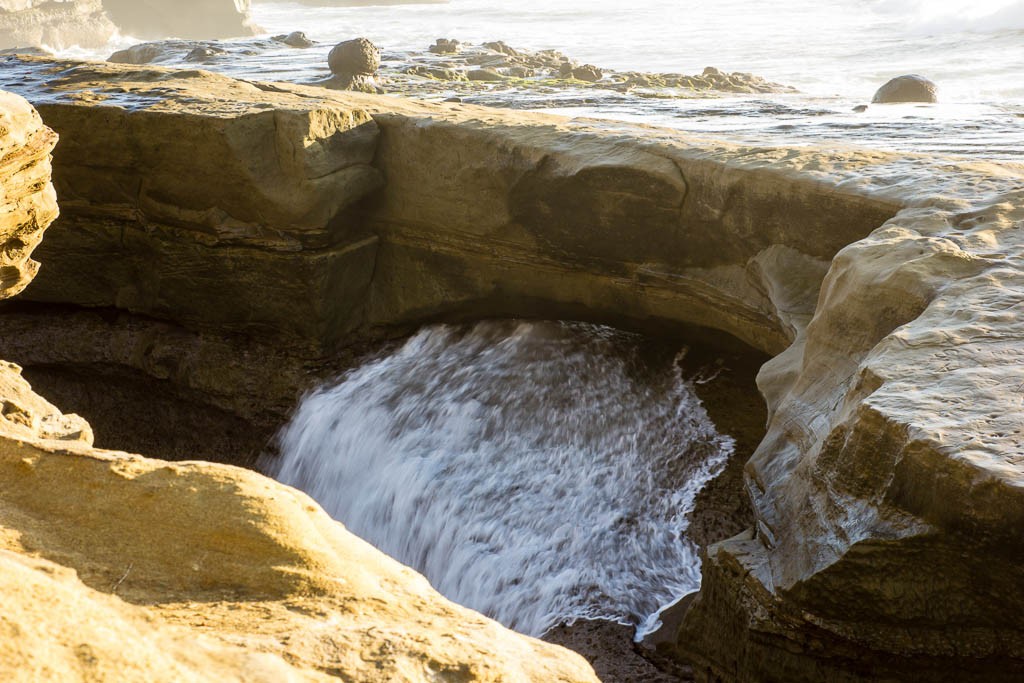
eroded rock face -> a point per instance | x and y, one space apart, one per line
55 24
114 565
194 19
28 203
888 490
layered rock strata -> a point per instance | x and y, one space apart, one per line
117 567
887 491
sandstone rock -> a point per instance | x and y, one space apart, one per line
218 573
502 47
910 88
144 53
59 25
887 492
295 39
445 46
191 19
202 54
353 63
357 57
484 75
587 72
27 201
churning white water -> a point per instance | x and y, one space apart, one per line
537 472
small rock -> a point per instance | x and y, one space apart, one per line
861 108
909 88
502 47
454 99
203 54
484 75
522 72
445 46
138 54
587 72
711 72
295 39
358 57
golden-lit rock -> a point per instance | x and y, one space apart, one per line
114 567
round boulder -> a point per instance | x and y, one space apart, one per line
909 88
358 57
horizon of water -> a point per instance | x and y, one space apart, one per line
537 472
836 54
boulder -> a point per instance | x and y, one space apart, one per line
357 57
502 47
484 75
445 46
587 72
295 39
911 88
144 53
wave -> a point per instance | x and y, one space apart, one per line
956 16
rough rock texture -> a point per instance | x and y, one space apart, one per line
115 567
888 491
910 88
28 203
353 63
57 24
196 19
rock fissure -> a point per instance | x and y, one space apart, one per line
896 345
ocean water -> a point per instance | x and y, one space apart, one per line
835 53
538 472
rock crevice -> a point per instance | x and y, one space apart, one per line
888 288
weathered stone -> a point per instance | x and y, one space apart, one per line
910 88
143 53
483 75
27 201
218 573
192 19
357 57
295 39
59 25
445 46
587 72
887 491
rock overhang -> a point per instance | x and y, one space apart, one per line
896 419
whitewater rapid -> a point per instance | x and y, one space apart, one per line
537 472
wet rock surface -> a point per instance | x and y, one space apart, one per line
910 88
492 73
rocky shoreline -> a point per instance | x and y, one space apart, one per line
231 239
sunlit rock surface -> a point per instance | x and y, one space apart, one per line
888 491
116 567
